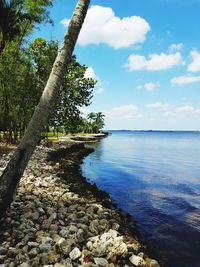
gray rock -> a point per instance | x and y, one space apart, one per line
44 247
33 253
33 244
47 239
73 229
3 251
100 261
75 254
64 232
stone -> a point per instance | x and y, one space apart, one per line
52 256
3 251
75 254
33 244
100 261
33 253
136 260
64 232
46 239
89 245
24 264
44 247
73 229
154 263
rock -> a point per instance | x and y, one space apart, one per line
52 256
136 260
73 229
53 216
33 253
64 232
75 254
33 244
46 239
72 208
35 216
100 261
44 247
3 251
24 264
154 263
89 245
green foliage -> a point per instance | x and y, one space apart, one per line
19 94
18 17
94 122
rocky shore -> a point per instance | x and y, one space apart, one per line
58 219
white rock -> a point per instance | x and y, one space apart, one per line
136 260
75 254
89 245
100 261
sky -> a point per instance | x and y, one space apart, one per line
145 55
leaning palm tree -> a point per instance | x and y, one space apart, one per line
11 19
15 168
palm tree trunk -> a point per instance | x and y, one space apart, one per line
15 168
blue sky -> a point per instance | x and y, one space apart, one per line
145 55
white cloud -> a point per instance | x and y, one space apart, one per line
175 47
186 108
103 26
65 22
185 79
195 65
182 112
158 105
89 73
125 111
150 86
155 62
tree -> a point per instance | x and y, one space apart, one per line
16 166
17 17
94 122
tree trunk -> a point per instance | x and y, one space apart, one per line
16 166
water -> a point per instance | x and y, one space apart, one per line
154 176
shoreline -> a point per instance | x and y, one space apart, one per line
56 239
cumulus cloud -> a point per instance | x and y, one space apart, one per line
155 62
65 22
89 73
195 65
175 47
103 26
128 111
186 108
149 87
182 112
185 79
158 105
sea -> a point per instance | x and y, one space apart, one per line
155 177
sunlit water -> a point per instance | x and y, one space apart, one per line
154 176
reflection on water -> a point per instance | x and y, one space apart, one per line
155 176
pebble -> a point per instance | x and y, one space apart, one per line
136 260
100 261
48 225
75 254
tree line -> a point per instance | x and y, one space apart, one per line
24 71
16 166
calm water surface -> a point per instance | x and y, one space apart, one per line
155 176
